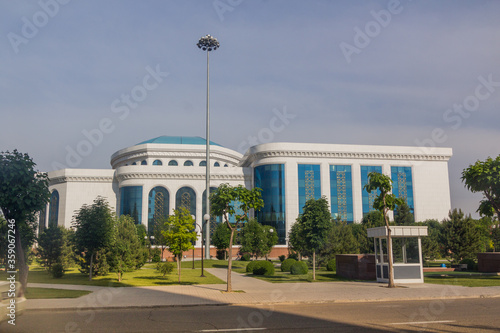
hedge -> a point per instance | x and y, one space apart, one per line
287 264
299 268
263 267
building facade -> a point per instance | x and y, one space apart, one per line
147 181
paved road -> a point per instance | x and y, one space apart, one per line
451 315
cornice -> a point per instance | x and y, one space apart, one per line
174 154
193 176
345 155
80 179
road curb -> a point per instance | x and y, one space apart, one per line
158 306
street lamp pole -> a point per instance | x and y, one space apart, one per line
208 43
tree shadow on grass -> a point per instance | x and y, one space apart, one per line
164 281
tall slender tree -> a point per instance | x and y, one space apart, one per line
226 201
384 202
179 234
94 229
315 224
23 193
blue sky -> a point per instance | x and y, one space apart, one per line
364 72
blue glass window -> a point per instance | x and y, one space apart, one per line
134 163
203 163
271 179
309 183
158 206
144 162
216 164
131 202
188 163
157 162
225 165
173 163
54 209
402 184
368 198
186 197
341 192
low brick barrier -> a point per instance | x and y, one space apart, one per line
488 262
356 266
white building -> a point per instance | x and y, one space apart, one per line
150 179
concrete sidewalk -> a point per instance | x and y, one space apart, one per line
250 290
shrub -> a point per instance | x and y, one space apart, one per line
471 264
156 255
164 268
293 255
331 265
245 257
282 258
263 267
57 270
221 254
299 268
251 266
286 264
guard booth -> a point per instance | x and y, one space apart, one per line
406 251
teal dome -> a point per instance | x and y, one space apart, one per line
179 140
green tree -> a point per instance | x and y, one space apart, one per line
484 177
270 239
126 253
316 222
23 193
403 215
371 219
94 231
55 245
461 238
220 238
432 247
227 201
179 234
384 202
296 242
257 239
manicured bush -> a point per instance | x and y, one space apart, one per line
251 266
286 264
471 264
331 265
299 268
282 258
57 270
164 268
263 267
245 257
293 255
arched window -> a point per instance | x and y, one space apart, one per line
203 163
188 163
214 220
216 164
186 197
173 162
42 220
157 162
134 163
158 207
144 162
54 209
225 165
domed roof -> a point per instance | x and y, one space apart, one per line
179 140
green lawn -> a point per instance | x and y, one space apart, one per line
45 293
465 279
146 276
